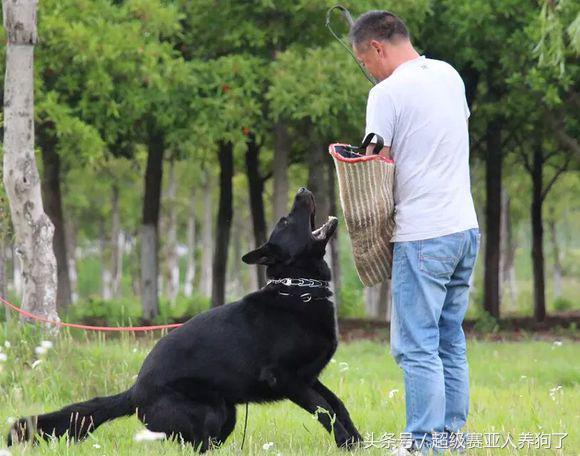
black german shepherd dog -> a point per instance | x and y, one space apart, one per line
270 345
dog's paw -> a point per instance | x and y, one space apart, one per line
351 443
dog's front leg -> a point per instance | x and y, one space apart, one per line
340 409
310 400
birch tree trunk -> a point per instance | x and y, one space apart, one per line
191 241
33 229
116 243
557 271
16 271
207 238
70 235
2 265
106 293
378 301
172 260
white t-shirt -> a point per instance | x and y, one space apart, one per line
421 113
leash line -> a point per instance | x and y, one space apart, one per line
245 427
87 327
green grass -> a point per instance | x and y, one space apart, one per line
511 387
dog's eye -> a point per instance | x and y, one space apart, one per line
284 221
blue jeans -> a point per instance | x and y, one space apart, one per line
430 285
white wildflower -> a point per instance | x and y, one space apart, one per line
46 344
3 357
392 393
523 377
134 350
558 390
268 445
7 344
97 446
343 366
147 435
558 343
40 350
36 363
10 420
332 360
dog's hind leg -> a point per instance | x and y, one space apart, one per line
229 423
182 419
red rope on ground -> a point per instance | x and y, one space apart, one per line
87 327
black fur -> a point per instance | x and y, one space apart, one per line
265 347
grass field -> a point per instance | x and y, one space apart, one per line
524 387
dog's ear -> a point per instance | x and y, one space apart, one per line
262 255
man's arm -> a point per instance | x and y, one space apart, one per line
385 151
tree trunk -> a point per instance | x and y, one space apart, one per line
493 217
234 274
557 273
224 222
116 243
52 197
2 264
172 259
318 183
134 247
378 301
191 241
256 189
106 292
507 253
33 229
280 165
333 245
149 227
16 271
538 236
207 238
71 243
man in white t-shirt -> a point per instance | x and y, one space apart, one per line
419 109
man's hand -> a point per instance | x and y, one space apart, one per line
385 151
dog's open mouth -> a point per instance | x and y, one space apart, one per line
325 230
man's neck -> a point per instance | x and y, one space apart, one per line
402 53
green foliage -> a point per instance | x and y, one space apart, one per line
562 304
486 323
128 311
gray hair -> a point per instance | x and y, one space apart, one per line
377 25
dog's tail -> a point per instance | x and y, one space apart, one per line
76 420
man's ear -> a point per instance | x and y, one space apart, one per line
262 255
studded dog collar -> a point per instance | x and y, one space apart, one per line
307 283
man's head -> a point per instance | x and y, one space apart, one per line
381 42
